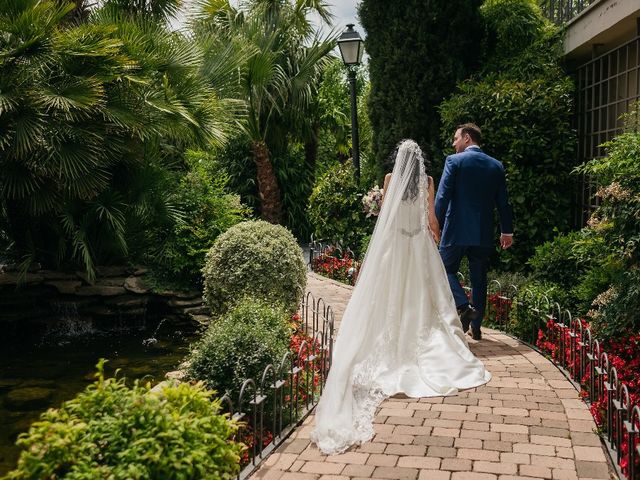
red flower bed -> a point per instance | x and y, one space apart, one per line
498 308
331 264
623 354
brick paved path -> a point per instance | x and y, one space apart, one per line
528 422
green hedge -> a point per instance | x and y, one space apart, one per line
258 259
239 345
335 209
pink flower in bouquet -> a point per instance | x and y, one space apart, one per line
372 202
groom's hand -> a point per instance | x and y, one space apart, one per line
506 241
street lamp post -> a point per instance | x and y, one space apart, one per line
351 49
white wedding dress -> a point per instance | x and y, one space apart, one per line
400 331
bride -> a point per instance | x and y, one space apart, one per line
400 331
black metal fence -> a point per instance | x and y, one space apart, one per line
269 408
562 11
582 358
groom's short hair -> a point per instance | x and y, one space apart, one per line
472 130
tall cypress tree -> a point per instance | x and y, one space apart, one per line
419 50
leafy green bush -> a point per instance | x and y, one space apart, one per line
556 261
207 210
94 115
119 432
258 259
335 209
524 323
524 109
239 345
618 217
615 313
512 26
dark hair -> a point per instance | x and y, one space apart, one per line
472 130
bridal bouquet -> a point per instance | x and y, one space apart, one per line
372 201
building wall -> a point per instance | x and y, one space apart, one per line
602 51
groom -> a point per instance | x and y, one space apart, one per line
472 184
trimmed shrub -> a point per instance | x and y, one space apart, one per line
239 345
119 432
258 259
335 209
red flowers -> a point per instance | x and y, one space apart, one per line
623 354
330 263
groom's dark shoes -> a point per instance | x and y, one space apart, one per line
476 334
467 313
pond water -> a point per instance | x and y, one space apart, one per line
44 370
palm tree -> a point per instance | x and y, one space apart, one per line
280 78
92 117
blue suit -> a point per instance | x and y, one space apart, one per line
472 185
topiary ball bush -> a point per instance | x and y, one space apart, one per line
239 345
114 431
258 259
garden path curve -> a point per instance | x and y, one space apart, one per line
527 422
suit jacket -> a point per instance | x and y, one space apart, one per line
472 185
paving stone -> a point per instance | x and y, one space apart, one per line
322 468
472 476
456 464
474 454
349 458
299 476
358 470
442 452
395 473
410 450
495 467
592 470
589 454
498 445
420 462
382 460
434 475
585 439
519 458
535 471
433 441
550 432
468 443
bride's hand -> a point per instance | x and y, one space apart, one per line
436 236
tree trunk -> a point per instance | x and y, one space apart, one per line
268 190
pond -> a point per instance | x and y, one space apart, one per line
44 370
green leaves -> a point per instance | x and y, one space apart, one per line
115 431
87 110
239 345
254 258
